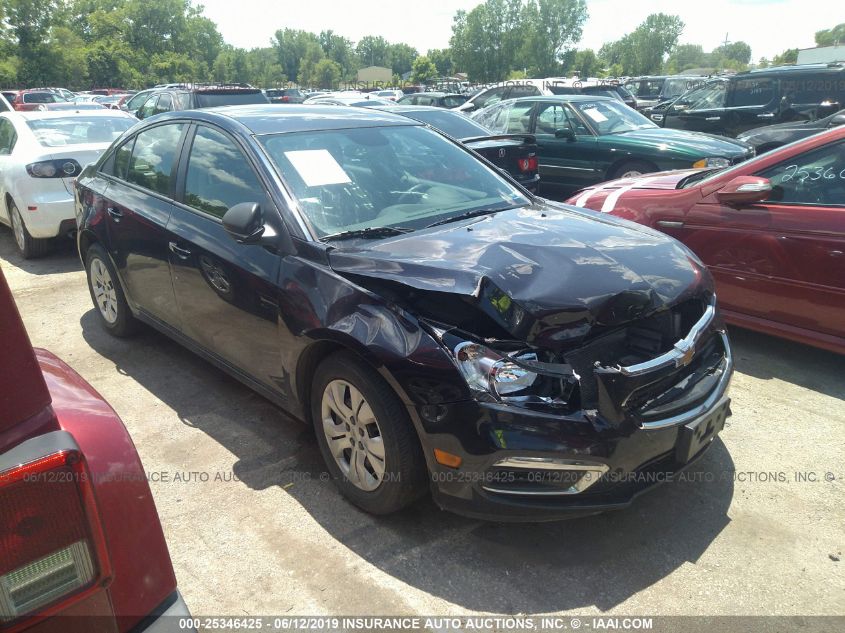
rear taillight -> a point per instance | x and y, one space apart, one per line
285 99
528 164
61 168
51 545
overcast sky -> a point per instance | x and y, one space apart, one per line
768 26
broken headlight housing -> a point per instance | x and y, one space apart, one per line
488 371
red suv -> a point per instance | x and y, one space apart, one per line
771 230
79 532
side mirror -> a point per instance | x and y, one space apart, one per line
565 132
838 119
744 190
244 222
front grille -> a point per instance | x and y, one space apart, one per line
637 342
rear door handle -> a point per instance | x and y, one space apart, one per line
713 118
768 115
183 253
115 213
670 224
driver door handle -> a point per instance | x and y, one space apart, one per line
182 253
670 224
115 213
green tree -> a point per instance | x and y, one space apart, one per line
442 59
487 42
373 50
341 51
686 56
789 56
401 57
552 28
736 51
423 70
586 64
327 74
308 65
642 51
291 46
830 37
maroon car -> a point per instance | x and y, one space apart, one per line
771 230
81 546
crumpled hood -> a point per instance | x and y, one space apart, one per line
546 274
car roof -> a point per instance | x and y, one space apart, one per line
271 119
64 114
401 107
835 67
565 98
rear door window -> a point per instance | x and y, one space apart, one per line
753 92
8 137
151 164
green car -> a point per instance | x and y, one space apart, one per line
583 140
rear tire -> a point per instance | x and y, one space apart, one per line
28 246
365 435
632 169
107 295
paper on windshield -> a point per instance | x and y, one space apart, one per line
595 115
317 167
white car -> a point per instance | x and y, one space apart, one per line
40 155
390 95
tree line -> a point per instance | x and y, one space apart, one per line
82 44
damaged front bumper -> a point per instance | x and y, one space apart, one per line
651 420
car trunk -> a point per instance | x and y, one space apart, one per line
509 152
24 394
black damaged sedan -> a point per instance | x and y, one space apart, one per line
439 327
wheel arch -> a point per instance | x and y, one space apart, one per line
614 167
325 344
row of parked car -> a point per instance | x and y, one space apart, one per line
387 274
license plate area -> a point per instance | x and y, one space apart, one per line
694 436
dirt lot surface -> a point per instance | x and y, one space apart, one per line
758 528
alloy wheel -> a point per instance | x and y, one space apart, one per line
104 291
353 435
17 228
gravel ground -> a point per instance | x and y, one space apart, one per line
757 528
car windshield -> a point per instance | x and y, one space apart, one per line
647 88
42 97
675 87
399 176
454 124
210 99
453 101
77 130
611 117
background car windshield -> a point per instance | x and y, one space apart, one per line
646 88
78 130
42 97
403 176
454 124
611 117
210 99
453 101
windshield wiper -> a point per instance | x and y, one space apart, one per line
467 214
370 231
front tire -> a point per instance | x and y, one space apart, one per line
365 435
632 169
28 246
107 295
